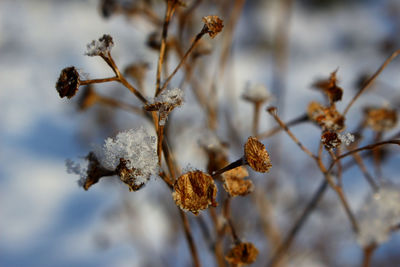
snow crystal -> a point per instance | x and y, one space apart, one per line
99 47
137 147
380 212
347 138
256 93
77 168
171 97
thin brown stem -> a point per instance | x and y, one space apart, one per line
256 117
118 104
103 80
193 45
168 15
160 134
369 82
360 162
189 239
272 111
277 129
368 253
229 167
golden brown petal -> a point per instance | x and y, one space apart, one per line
214 25
195 191
256 155
242 254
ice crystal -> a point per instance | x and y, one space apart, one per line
138 150
380 212
100 47
346 139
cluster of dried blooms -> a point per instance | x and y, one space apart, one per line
134 156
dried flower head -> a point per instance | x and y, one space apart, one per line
234 183
256 94
195 191
88 97
89 174
256 155
133 155
213 25
242 254
380 119
329 87
165 103
68 82
330 140
101 47
327 117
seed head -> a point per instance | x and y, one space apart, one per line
68 82
165 103
195 191
242 254
213 24
380 119
328 118
234 183
330 140
129 175
330 88
256 155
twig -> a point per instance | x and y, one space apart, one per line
371 80
189 238
368 252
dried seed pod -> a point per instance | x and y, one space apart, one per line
380 119
68 82
234 183
327 117
195 191
256 155
242 254
330 88
214 25
128 176
330 140
95 171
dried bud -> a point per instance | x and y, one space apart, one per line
88 97
128 176
256 94
234 183
380 119
100 47
256 155
195 191
330 88
165 103
108 7
330 140
242 254
326 117
68 82
214 25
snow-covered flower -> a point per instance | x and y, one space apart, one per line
132 154
379 213
166 102
257 93
99 47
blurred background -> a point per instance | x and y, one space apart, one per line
47 220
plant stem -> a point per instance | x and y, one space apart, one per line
189 238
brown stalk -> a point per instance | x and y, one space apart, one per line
192 46
118 104
369 82
219 253
368 253
273 131
256 117
104 80
168 15
360 162
189 238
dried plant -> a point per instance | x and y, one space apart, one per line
137 155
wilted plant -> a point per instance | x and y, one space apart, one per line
135 156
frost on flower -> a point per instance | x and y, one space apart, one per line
347 138
100 47
133 155
166 102
257 93
90 172
380 212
